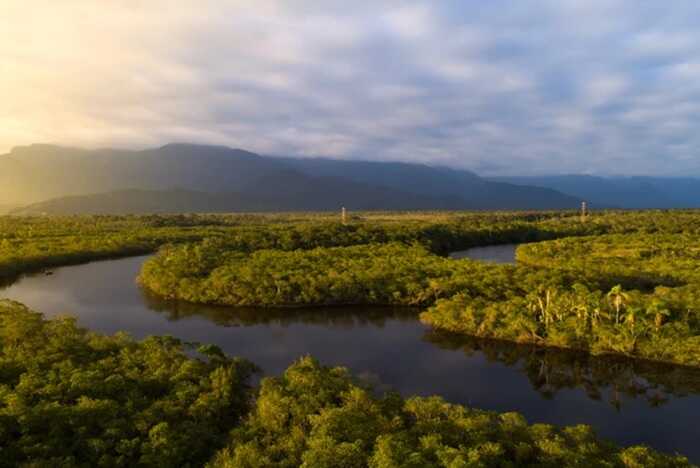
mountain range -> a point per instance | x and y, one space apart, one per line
185 177
623 192
201 178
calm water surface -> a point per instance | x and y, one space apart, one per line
491 253
625 401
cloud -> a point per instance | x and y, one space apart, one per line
506 87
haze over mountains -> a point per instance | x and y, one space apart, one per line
199 178
185 177
625 192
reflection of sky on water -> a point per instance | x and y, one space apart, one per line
383 345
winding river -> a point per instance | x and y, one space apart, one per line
626 401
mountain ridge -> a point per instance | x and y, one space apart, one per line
632 192
38 174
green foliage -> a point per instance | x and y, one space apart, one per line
630 293
367 274
28 244
305 264
660 322
69 397
621 283
634 259
314 416
31 244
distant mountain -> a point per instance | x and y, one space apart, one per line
40 172
215 178
140 201
324 196
622 192
438 181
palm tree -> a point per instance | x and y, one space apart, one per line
659 310
618 298
631 315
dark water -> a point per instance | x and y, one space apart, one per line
625 401
492 253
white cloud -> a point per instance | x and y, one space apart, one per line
600 90
412 21
546 86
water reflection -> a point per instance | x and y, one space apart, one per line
549 371
344 317
601 377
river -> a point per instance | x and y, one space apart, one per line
626 401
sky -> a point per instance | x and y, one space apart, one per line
499 87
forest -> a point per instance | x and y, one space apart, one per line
614 284
71 397
651 312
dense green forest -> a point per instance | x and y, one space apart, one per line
381 260
313 416
622 283
387 274
618 282
69 397
31 243
658 320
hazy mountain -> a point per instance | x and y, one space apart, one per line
326 195
140 201
39 172
436 181
623 192
76 180
417 178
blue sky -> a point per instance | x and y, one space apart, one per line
499 87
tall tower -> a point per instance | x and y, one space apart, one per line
343 215
584 211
